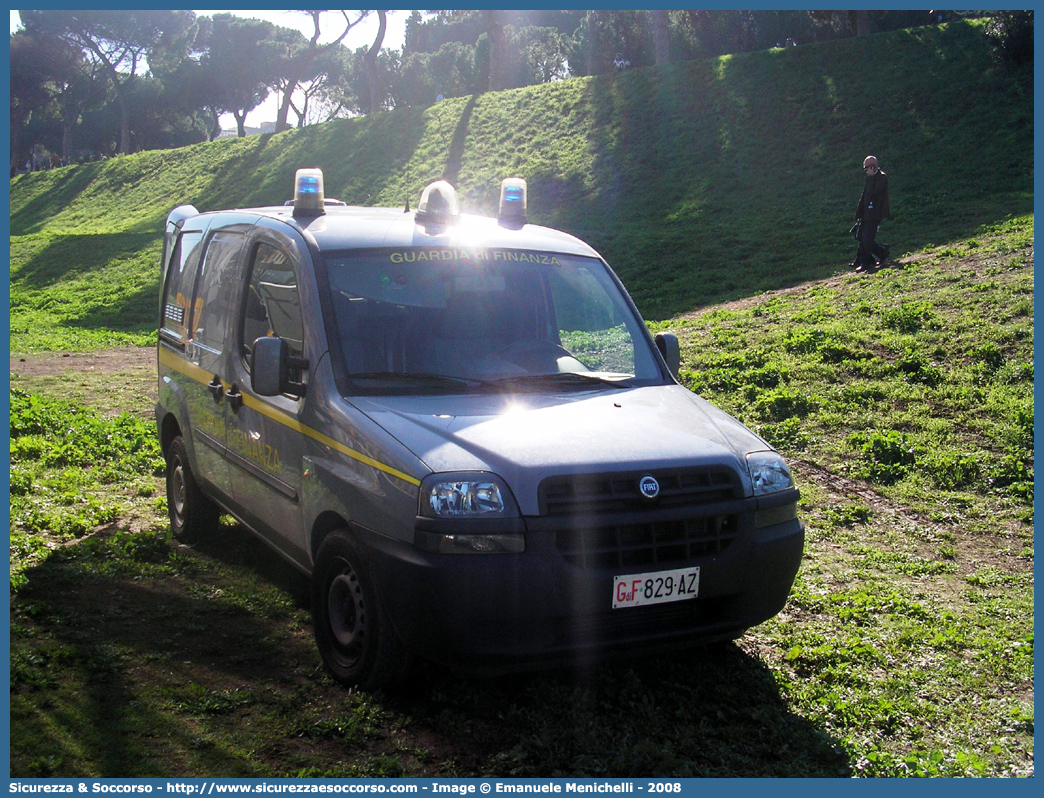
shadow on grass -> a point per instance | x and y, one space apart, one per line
361 159
719 179
65 187
105 664
119 670
132 313
455 156
711 711
65 256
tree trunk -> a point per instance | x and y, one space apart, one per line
125 144
120 88
67 140
661 39
862 23
371 62
16 130
284 107
299 68
593 43
240 123
213 127
496 51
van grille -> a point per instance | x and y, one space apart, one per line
605 493
604 521
657 543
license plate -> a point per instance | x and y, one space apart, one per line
658 587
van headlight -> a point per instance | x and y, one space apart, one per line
770 476
468 495
768 473
468 513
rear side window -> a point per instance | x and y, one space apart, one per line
177 298
216 293
273 306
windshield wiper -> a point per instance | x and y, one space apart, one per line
433 380
564 379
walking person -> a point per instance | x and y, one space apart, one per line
872 209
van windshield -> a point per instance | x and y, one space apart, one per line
430 320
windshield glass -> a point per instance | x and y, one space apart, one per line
437 320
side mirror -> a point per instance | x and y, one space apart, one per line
667 343
270 367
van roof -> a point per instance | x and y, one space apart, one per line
350 227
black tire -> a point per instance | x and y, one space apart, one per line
352 630
192 515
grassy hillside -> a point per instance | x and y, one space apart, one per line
700 182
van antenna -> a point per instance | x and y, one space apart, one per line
407 210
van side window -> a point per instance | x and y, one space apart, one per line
177 297
273 307
215 295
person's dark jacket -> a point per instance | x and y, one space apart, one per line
873 203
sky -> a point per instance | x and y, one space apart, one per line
359 36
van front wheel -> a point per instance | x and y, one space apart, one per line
192 515
352 630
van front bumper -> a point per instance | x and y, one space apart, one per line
502 612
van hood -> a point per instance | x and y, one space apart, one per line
527 437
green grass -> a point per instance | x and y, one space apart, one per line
700 182
83 292
73 472
919 382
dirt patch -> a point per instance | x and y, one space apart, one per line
972 551
124 359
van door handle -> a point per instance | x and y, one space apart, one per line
234 397
216 388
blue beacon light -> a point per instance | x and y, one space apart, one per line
308 193
513 202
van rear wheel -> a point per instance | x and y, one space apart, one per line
352 630
192 515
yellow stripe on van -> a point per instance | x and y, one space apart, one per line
190 370
194 372
288 421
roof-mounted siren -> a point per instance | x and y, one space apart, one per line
438 205
308 192
512 203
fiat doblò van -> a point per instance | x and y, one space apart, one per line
462 430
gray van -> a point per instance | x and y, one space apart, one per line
461 429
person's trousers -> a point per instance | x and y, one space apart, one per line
870 252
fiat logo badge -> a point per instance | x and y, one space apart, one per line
649 487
